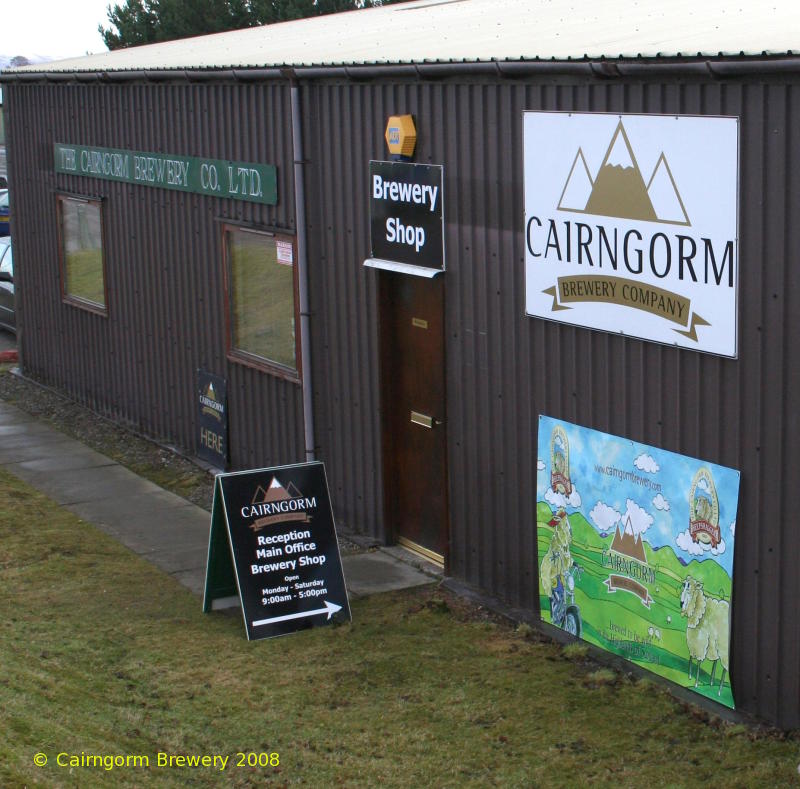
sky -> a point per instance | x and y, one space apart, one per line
53 28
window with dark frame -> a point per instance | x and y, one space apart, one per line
83 275
261 285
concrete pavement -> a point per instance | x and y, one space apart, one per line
159 526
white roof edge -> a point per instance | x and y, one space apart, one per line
468 31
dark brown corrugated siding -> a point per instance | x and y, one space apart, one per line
340 137
163 253
504 369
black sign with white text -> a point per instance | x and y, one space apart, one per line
279 525
212 419
405 211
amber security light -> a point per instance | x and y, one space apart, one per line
401 136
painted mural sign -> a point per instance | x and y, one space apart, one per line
635 552
631 225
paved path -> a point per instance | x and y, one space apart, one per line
163 528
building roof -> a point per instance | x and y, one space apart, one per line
476 30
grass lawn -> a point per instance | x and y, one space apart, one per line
103 654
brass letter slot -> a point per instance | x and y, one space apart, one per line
419 323
422 420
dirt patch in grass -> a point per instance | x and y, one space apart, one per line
106 656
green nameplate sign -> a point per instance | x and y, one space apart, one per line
255 183
273 545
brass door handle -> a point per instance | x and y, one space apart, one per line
423 420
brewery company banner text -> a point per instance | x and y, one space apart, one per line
631 225
255 183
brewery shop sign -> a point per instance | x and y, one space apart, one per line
405 211
273 543
631 225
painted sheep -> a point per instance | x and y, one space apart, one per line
707 629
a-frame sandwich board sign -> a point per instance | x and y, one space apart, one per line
273 544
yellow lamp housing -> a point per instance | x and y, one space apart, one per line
401 136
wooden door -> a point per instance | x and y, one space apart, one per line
413 411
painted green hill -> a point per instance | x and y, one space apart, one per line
649 632
715 580
543 512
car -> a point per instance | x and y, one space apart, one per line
5 225
7 315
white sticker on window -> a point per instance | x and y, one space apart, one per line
285 252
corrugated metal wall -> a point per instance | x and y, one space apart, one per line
166 314
504 369
343 297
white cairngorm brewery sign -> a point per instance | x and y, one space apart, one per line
631 225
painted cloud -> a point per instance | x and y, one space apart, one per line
559 500
686 543
660 503
605 518
639 518
646 463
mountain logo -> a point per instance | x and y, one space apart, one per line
278 504
211 404
627 558
559 462
276 492
704 510
619 189
627 544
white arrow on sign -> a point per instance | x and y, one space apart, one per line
330 609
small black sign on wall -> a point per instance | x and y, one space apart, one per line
212 419
273 542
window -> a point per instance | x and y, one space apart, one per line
83 280
261 283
